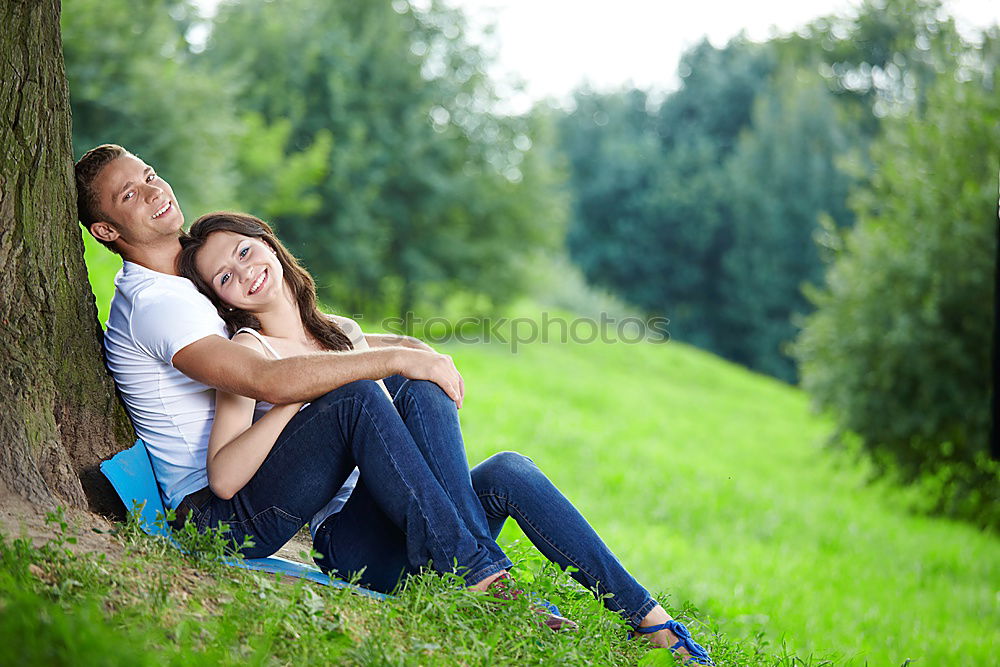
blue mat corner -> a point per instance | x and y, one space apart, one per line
131 473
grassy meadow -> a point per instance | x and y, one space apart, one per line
711 484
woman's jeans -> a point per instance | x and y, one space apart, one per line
416 501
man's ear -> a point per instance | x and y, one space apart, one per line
104 231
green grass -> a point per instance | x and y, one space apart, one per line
155 606
711 484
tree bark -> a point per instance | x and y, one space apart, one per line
60 415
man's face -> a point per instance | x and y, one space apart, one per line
140 205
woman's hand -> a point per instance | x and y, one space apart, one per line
437 368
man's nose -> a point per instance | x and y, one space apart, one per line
152 192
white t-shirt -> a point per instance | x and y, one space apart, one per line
153 316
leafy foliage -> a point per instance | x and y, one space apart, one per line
704 209
365 131
422 191
784 180
899 348
132 83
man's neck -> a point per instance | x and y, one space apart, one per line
161 258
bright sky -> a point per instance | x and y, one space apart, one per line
553 45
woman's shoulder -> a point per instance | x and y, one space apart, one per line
342 320
252 339
351 328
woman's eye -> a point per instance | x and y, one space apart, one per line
150 177
243 253
224 279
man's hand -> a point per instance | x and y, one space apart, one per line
437 368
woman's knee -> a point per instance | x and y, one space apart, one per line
504 468
424 393
365 390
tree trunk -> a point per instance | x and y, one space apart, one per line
60 415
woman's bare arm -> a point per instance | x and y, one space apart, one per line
237 445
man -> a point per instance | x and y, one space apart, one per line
133 212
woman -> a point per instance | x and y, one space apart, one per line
268 302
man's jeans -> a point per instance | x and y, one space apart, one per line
416 500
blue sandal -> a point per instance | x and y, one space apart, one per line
699 655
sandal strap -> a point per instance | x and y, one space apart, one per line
684 640
648 630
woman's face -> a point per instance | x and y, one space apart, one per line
243 271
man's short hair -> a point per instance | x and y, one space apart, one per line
87 168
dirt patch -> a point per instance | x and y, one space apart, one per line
301 542
20 518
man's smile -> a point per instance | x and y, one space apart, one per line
166 207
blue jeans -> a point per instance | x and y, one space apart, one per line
372 534
353 425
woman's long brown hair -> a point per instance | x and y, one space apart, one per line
321 327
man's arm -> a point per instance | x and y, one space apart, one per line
396 340
231 367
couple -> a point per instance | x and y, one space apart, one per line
261 412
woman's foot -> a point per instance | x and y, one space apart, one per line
666 638
503 588
662 638
481 586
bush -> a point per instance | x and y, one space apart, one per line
899 348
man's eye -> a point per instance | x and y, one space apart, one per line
243 253
224 279
128 195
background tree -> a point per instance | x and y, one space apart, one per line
61 415
704 208
878 59
130 71
424 192
784 179
899 348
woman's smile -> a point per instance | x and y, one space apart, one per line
257 284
